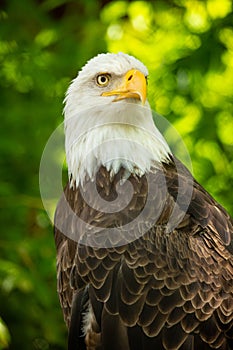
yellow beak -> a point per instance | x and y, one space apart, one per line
133 86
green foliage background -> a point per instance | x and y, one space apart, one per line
188 48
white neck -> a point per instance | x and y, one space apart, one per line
123 135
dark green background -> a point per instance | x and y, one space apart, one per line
188 48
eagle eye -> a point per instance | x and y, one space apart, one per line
103 79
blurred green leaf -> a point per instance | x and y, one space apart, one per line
4 335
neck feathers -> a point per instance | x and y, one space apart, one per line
138 147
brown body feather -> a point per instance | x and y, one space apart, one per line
160 289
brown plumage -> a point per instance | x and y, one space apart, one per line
155 274
163 290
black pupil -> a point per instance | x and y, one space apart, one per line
103 79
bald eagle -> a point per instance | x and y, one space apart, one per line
144 253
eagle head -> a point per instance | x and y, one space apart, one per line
108 120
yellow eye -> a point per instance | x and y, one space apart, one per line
103 79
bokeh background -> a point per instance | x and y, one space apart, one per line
187 46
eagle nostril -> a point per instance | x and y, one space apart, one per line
130 77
